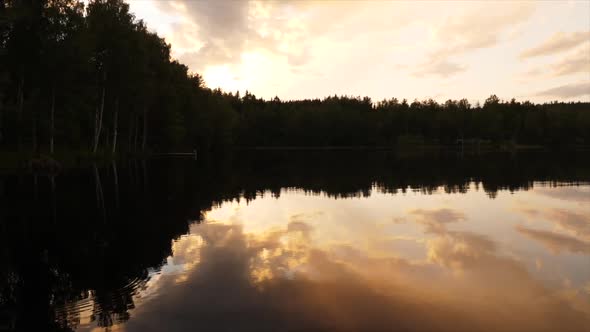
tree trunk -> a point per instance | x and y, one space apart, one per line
19 110
53 198
138 178
95 126
51 121
34 130
98 120
130 134
1 115
145 175
115 123
99 193
135 134
145 129
116 178
35 187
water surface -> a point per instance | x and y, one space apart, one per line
302 242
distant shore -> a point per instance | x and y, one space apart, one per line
74 159
426 147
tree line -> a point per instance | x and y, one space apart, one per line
94 78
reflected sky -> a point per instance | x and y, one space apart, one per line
402 262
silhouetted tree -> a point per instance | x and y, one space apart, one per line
96 79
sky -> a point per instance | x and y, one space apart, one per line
296 49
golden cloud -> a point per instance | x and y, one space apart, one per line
556 242
301 287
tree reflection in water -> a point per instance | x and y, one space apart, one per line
85 242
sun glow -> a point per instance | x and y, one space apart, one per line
221 77
254 67
382 49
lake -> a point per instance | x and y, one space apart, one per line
300 241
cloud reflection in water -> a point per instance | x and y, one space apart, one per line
279 279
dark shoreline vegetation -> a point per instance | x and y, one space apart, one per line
93 83
74 236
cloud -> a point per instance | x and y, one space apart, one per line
435 221
461 250
578 62
574 227
305 216
442 68
225 30
558 42
569 193
303 49
556 242
567 91
481 27
576 223
307 288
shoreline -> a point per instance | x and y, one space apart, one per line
76 159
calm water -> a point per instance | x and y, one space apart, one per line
300 242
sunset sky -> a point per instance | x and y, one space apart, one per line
538 51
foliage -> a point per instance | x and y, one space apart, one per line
96 78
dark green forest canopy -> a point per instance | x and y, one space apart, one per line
94 78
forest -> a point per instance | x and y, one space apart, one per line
94 79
